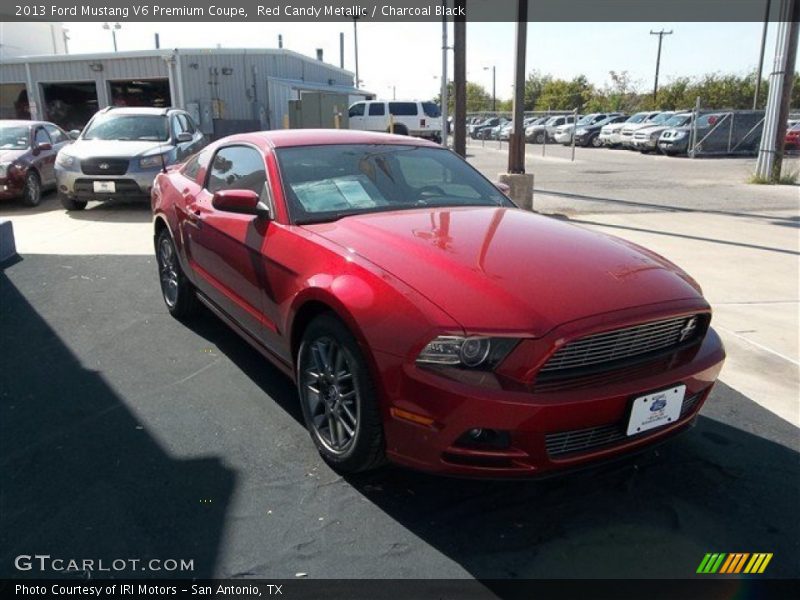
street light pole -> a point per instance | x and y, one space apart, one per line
113 32
494 86
660 35
355 43
761 55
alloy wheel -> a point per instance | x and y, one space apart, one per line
168 270
330 394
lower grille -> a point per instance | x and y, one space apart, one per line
585 440
104 166
123 187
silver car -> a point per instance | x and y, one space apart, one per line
121 150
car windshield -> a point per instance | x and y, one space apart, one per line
128 127
14 138
677 120
607 120
587 120
661 118
326 183
431 110
637 118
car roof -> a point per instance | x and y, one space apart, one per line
138 110
23 123
285 138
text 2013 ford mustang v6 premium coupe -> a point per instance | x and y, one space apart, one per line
425 319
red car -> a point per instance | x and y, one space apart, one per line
425 319
792 139
27 158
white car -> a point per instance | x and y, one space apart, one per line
563 134
405 117
646 139
610 135
628 129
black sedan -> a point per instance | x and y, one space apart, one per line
589 135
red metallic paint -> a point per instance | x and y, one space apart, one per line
399 279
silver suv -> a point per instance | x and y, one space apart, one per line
121 150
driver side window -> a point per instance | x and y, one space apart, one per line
41 137
237 168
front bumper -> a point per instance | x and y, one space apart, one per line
646 143
135 184
673 145
11 188
563 138
532 419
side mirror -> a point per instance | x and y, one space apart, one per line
503 187
245 202
184 137
43 147
74 134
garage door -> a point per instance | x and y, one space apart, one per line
70 104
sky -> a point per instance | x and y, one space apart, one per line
405 60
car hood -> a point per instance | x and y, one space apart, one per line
505 270
650 130
7 155
112 149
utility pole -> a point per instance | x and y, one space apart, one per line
520 183
770 155
113 28
494 87
355 43
660 35
444 100
460 79
761 55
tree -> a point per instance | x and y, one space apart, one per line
478 99
559 94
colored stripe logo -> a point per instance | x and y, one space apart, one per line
736 562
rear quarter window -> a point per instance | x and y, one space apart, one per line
403 109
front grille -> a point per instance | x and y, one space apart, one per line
104 166
611 348
585 440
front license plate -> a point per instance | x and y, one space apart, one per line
656 410
104 187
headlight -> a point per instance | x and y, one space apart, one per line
580 131
158 160
655 135
64 160
469 352
4 169
678 135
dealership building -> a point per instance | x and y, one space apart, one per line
226 90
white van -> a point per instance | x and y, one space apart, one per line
410 117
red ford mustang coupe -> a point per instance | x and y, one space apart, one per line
425 319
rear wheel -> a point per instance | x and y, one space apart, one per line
32 194
338 398
176 289
71 203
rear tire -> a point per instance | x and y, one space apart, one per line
338 398
176 290
32 194
71 203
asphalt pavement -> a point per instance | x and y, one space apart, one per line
125 433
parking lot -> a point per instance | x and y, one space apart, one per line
127 433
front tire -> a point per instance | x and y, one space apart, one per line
595 142
32 194
338 397
176 290
539 138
